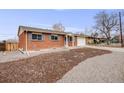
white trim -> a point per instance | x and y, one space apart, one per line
66 41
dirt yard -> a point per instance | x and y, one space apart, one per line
48 67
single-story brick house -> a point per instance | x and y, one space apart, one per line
31 38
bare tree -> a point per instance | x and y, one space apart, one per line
58 27
106 23
94 35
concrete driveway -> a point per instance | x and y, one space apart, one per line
100 69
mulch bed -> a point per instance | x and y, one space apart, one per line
47 68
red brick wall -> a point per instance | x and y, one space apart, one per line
69 43
46 43
22 42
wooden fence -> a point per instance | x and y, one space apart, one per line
8 46
2 46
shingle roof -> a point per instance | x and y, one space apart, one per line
33 29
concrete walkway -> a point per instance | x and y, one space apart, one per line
16 55
104 68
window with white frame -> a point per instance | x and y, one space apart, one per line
37 37
54 37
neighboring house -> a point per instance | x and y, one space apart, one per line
117 38
89 40
93 40
31 38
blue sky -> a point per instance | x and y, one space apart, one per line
73 20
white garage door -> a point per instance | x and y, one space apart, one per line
81 41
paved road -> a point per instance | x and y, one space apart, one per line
104 68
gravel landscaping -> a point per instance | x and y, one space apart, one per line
48 67
108 68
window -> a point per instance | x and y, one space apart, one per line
37 37
34 36
54 37
70 38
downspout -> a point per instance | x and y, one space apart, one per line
26 44
26 41
66 41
